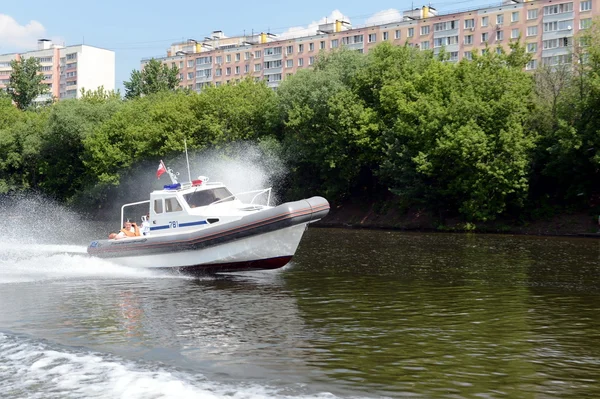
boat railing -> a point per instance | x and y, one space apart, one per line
258 193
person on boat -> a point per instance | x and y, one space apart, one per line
145 225
130 229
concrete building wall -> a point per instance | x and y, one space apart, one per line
66 69
459 34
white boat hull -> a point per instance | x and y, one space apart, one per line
253 252
266 239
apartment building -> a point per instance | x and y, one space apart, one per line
547 28
66 69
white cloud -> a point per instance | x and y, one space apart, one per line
311 29
16 36
385 16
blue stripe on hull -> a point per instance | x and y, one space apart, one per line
188 224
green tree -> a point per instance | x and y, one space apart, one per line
331 137
154 77
459 136
25 83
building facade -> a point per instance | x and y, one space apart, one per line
546 28
66 69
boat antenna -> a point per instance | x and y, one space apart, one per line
187 159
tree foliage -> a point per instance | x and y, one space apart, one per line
25 83
153 78
479 138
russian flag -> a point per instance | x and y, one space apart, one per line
161 169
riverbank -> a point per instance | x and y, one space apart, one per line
374 215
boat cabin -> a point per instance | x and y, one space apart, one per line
196 204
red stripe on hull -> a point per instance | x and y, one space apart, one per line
259 264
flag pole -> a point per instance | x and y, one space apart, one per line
188 160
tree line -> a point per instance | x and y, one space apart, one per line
479 139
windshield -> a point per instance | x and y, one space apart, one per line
207 197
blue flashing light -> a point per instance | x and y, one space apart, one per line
175 186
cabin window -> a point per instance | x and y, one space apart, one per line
158 206
207 197
172 205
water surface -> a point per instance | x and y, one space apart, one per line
356 314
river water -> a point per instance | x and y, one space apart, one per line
357 314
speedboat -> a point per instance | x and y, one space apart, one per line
201 227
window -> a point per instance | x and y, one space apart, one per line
246 68
425 45
411 32
372 38
300 48
300 62
585 23
237 56
334 43
557 59
484 21
558 8
311 60
190 75
257 67
558 25
454 56
468 55
514 17
273 64
273 78
289 63
190 63
228 58
219 59
499 35
385 36
218 72
72 56
532 14
468 39
397 34
158 206
322 45
172 205
180 64
442 26
532 30
207 197
181 77
514 34
228 71
311 47
499 19
484 37
237 70
556 43
531 47
257 54
273 51
204 61
469 23
424 30
247 55
531 65
585 5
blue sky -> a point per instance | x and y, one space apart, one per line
136 29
